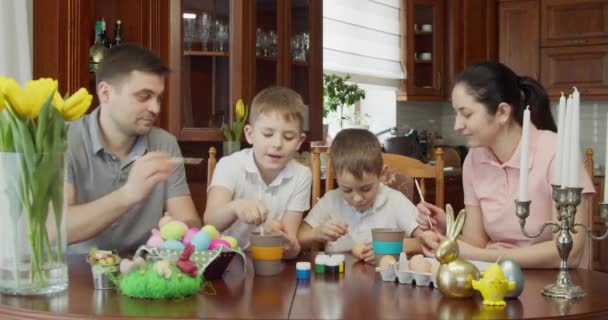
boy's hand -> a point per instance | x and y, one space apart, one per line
250 211
291 246
430 240
367 254
331 230
426 212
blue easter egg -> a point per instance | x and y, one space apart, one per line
513 272
173 245
201 240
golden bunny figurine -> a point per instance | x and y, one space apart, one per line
455 276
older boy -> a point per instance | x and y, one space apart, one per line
264 183
345 217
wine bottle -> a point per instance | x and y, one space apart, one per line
106 41
97 50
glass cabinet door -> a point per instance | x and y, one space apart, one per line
206 63
426 51
267 44
299 53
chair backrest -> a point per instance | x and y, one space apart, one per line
406 166
211 164
591 206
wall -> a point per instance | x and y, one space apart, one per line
16 39
440 116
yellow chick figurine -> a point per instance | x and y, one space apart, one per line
493 286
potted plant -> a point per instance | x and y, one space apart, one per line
338 93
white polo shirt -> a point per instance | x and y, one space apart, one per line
391 209
289 191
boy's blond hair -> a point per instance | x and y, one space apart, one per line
357 151
278 99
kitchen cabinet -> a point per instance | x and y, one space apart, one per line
458 33
561 43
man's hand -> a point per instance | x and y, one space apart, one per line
331 230
148 171
250 211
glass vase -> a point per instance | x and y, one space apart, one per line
231 147
33 232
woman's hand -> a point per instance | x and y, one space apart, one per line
429 212
430 240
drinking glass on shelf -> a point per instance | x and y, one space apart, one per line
204 24
189 24
221 35
259 42
272 43
305 46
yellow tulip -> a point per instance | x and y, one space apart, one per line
16 97
2 81
77 104
37 91
240 109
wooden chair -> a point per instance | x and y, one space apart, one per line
406 166
211 164
591 206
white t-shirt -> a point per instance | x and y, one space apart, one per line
391 209
289 191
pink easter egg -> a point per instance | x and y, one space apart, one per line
217 243
155 241
155 232
189 235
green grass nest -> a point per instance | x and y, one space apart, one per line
148 283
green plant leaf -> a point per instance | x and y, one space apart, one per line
227 132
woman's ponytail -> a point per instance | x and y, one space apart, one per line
535 96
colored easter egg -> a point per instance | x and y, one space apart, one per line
357 249
155 241
155 232
233 243
184 226
212 231
173 245
172 231
218 243
513 272
189 235
201 240
164 220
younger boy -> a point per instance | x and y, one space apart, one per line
345 216
264 183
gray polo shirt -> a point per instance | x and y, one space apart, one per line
95 172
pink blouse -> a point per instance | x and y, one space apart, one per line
493 187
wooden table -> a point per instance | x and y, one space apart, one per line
358 294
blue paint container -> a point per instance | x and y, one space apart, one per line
303 270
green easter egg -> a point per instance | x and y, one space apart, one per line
212 231
172 231
233 243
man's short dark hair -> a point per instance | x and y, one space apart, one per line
121 60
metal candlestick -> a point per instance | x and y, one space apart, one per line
566 201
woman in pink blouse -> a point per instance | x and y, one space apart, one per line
489 100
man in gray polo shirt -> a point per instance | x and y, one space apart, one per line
122 172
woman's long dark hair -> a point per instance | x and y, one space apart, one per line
492 83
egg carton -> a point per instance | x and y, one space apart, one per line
210 263
406 276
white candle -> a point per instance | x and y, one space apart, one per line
575 151
559 155
567 143
606 164
523 162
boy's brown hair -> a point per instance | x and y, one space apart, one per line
120 61
278 99
357 151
